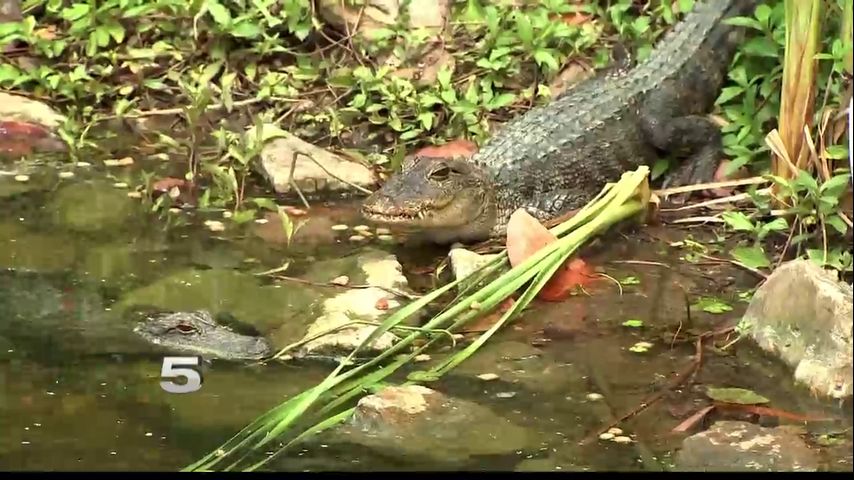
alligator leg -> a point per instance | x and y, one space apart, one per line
691 136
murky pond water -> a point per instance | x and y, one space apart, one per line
79 391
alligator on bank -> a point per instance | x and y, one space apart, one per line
557 157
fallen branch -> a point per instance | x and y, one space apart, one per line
209 108
715 201
710 186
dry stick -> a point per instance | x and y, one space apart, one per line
737 264
710 185
700 219
293 184
787 244
641 262
390 290
336 177
729 199
180 110
648 459
681 377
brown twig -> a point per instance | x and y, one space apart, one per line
293 184
641 262
680 378
180 110
737 264
729 199
393 291
336 177
710 186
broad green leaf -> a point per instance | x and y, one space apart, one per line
835 185
738 221
735 395
501 100
75 11
712 305
777 225
806 180
524 29
545 57
753 257
659 167
246 29
426 119
837 223
220 14
633 323
266 203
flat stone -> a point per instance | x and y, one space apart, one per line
464 262
416 421
741 446
310 172
23 109
803 315
379 269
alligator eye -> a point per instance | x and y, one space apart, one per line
440 173
185 329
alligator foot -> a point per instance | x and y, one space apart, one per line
694 138
697 169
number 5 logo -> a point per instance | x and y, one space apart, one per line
181 367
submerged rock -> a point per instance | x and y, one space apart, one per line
221 291
803 315
741 446
92 207
414 421
376 268
21 249
316 169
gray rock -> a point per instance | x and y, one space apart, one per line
316 169
414 421
376 14
741 446
10 10
803 315
43 122
379 269
465 262
23 109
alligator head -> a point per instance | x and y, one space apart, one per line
198 333
446 199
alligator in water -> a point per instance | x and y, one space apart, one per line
557 157
55 318
198 333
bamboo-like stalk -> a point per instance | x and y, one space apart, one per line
617 202
800 69
847 33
